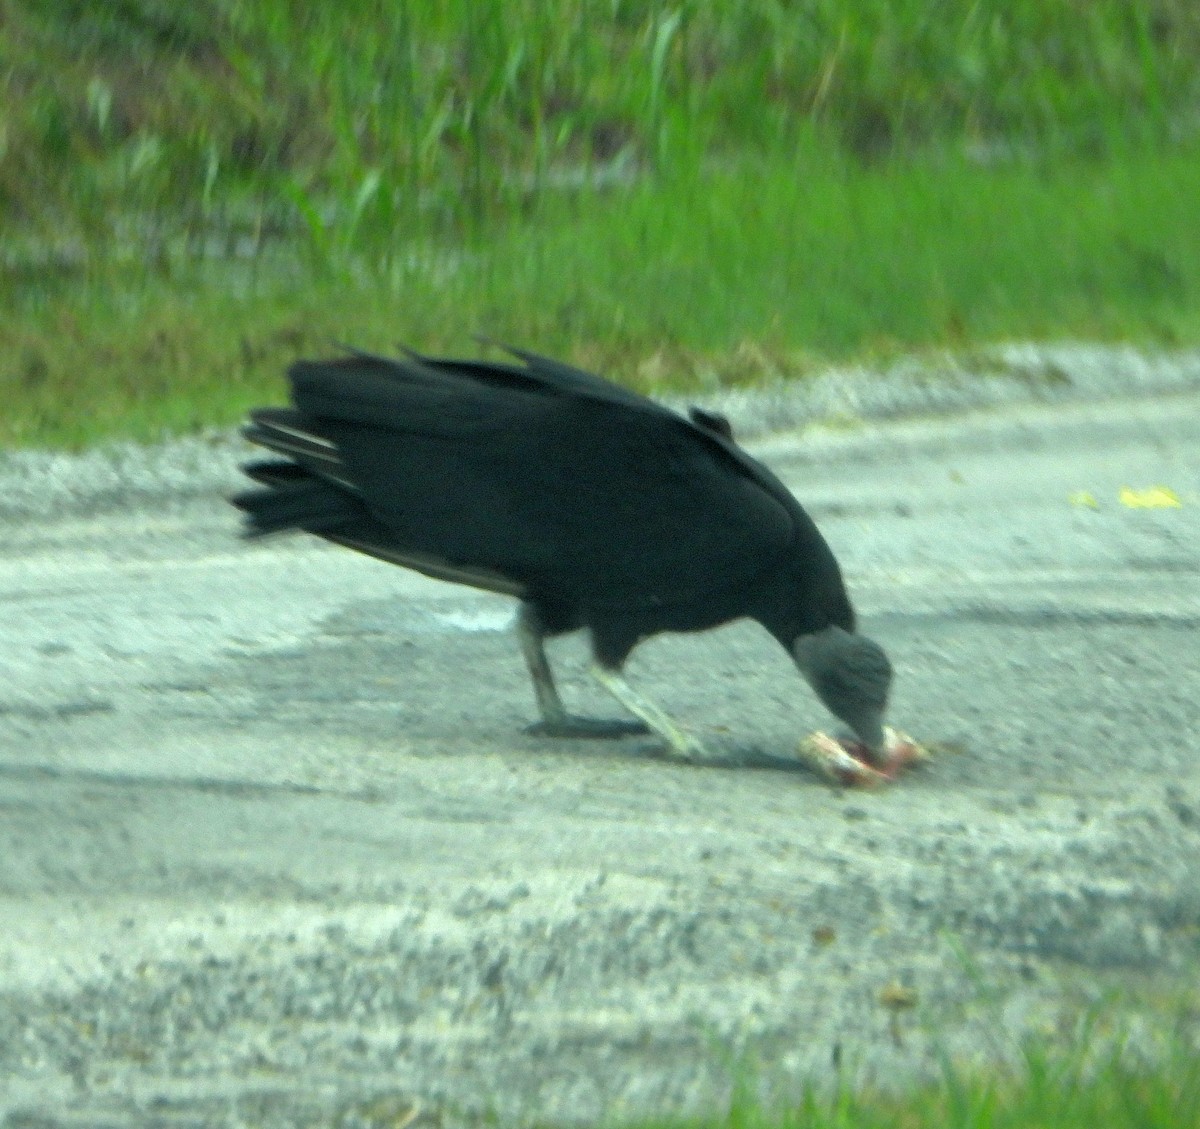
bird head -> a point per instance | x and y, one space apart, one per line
851 675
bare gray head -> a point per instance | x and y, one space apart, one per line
851 675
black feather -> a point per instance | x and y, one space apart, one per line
600 508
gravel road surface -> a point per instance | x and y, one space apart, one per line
276 851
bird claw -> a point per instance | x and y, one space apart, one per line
850 763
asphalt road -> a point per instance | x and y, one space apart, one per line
275 850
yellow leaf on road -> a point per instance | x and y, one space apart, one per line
1152 498
1083 498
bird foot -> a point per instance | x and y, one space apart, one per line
851 763
588 728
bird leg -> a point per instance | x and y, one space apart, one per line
556 722
679 742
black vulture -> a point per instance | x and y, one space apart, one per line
595 507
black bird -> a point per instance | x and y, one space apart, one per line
595 507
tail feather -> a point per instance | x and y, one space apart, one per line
291 500
277 474
287 432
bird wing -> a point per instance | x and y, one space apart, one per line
604 498
537 375
543 374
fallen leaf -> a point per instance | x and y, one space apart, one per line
1152 498
1083 498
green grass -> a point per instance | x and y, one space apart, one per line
1048 1096
1094 1075
759 269
246 111
192 195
